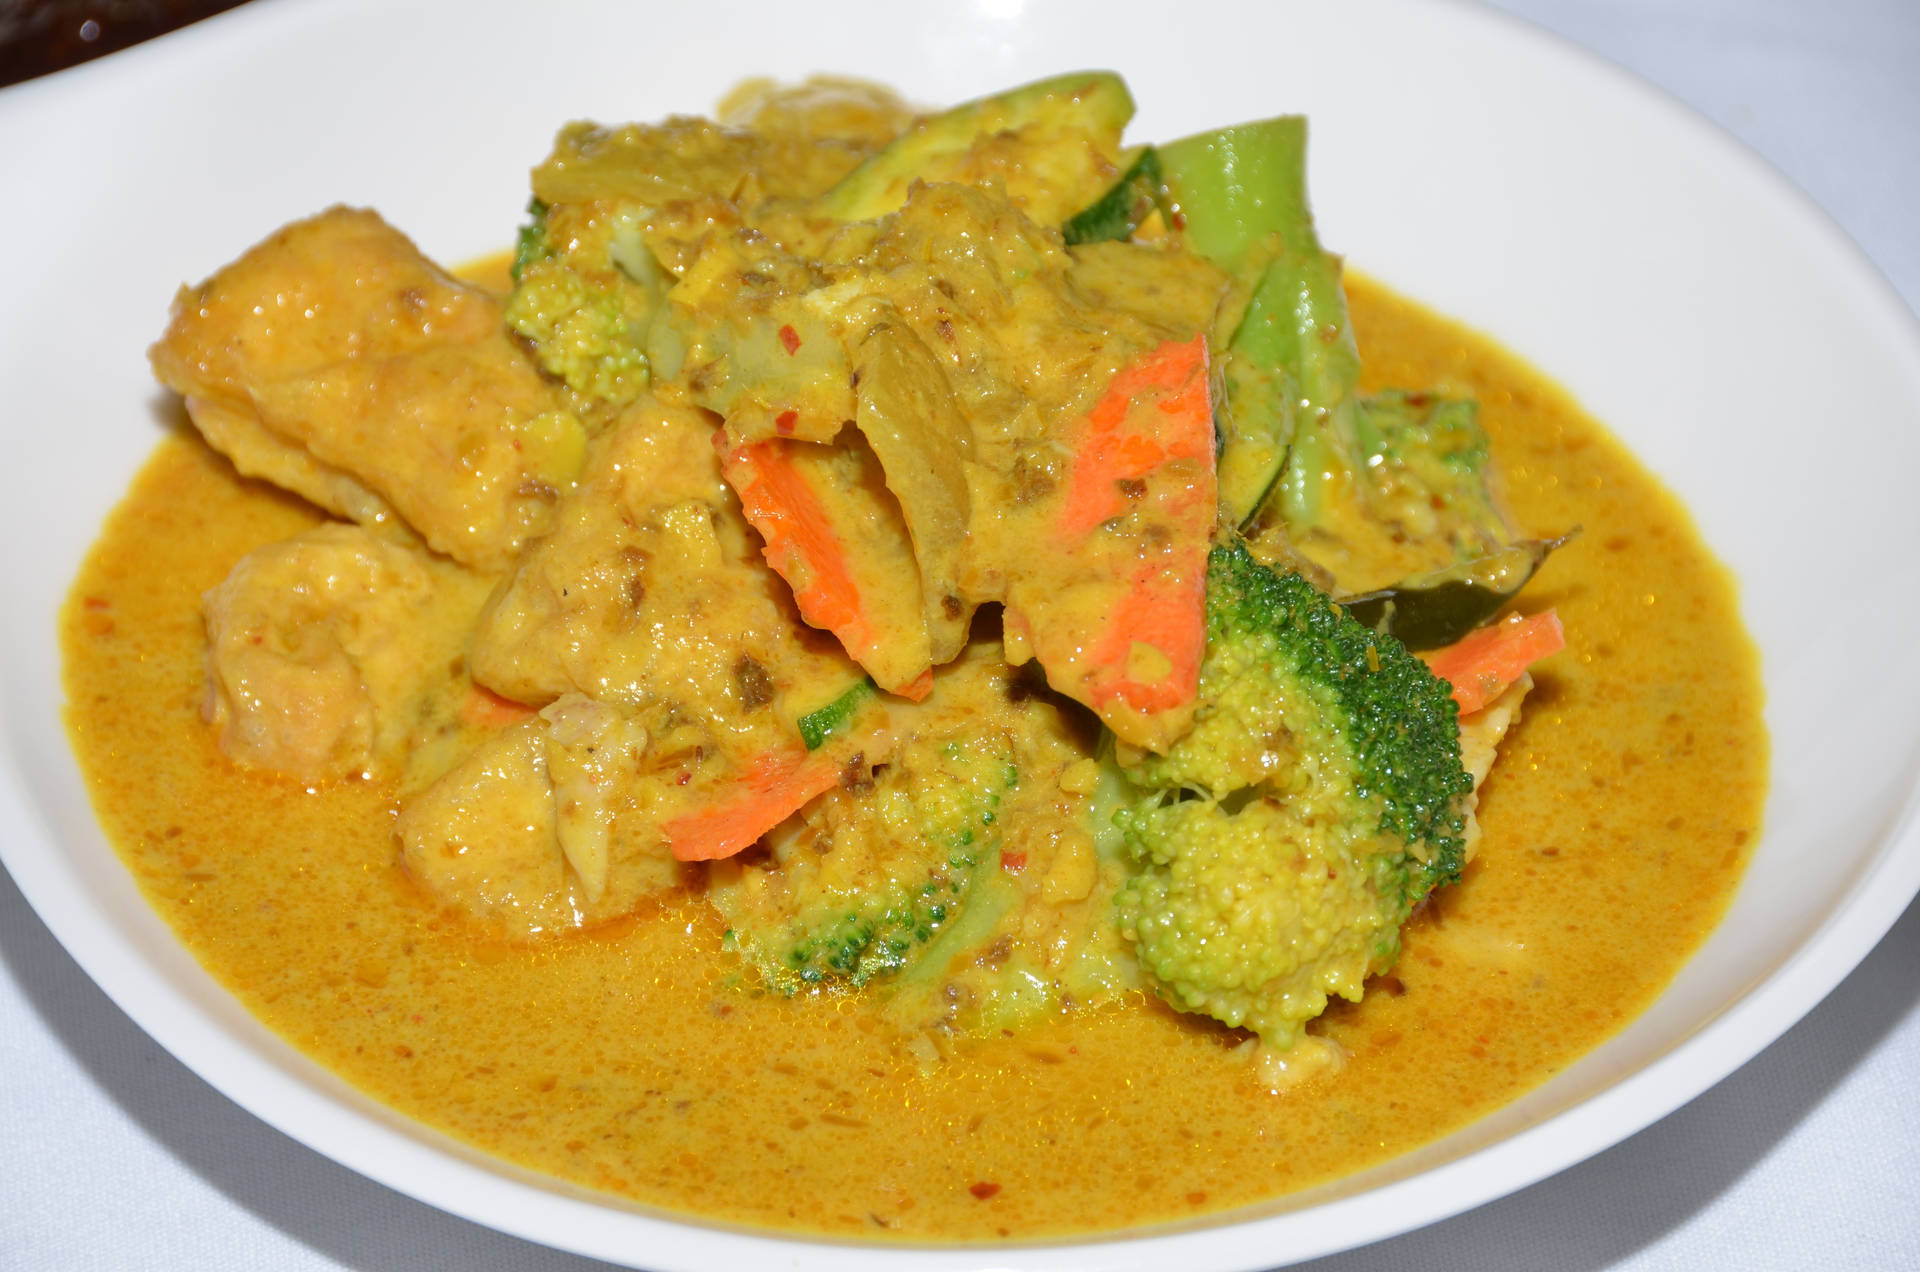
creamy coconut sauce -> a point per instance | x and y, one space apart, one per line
632 1059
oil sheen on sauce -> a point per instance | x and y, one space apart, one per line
631 1061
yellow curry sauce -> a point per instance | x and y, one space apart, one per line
630 1059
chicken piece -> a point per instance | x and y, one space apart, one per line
556 821
238 434
482 838
669 664
319 646
335 360
650 590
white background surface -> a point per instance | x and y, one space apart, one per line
114 1156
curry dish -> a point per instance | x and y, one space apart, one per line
933 676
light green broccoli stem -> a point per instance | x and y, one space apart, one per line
1236 188
990 894
1297 321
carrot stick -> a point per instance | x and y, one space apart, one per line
827 537
801 544
1154 420
1121 444
485 709
917 689
778 785
775 786
1481 664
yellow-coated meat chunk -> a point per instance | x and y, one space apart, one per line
320 648
650 590
551 823
335 360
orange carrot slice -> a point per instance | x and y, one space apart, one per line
1145 450
778 785
1481 664
917 689
485 709
835 537
801 545
1154 411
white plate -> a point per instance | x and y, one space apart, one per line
1685 294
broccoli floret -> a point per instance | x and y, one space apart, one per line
531 243
867 880
1283 842
586 290
1037 939
974 875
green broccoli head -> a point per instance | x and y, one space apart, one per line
1283 842
531 244
586 290
867 878
1253 914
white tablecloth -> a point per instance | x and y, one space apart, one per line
114 1156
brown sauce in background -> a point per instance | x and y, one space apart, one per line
1616 827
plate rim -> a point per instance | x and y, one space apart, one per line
1879 894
